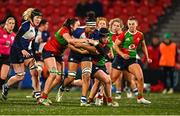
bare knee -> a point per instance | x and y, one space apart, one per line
20 76
107 81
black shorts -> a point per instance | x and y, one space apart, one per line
95 68
120 63
16 56
48 54
107 59
4 59
77 58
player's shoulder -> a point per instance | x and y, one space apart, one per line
77 33
25 25
140 33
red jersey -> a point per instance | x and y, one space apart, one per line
58 44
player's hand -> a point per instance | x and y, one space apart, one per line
78 45
110 55
125 56
25 53
84 52
149 60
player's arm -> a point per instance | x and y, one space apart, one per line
81 51
144 49
118 49
71 40
89 47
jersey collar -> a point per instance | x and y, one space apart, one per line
132 33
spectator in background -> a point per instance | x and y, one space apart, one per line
82 8
96 6
153 74
154 53
168 62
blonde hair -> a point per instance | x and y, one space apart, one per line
115 20
5 24
101 19
9 18
27 14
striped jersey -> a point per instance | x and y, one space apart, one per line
131 42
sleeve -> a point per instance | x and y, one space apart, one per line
121 36
142 38
23 29
78 32
63 31
2 40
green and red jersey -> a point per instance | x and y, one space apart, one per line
58 44
110 43
131 42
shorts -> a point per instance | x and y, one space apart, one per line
77 57
107 59
95 68
120 63
4 59
48 54
16 56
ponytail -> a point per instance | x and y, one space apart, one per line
27 14
70 22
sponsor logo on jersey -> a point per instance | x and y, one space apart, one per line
132 46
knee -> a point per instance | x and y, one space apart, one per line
86 72
20 76
108 81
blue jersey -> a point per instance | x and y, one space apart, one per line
80 33
45 36
24 37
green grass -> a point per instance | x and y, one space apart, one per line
17 103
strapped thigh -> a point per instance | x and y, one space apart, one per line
86 70
72 74
19 74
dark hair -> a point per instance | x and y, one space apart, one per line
35 12
132 18
43 22
90 16
68 22
103 32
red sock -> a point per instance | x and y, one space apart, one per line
90 99
139 96
99 96
43 95
109 99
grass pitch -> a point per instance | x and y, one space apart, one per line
18 104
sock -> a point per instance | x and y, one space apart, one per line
99 96
90 100
109 100
6 85
139 96
2 82
135 91
44 95
62 88
37 94
83 98
118 92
